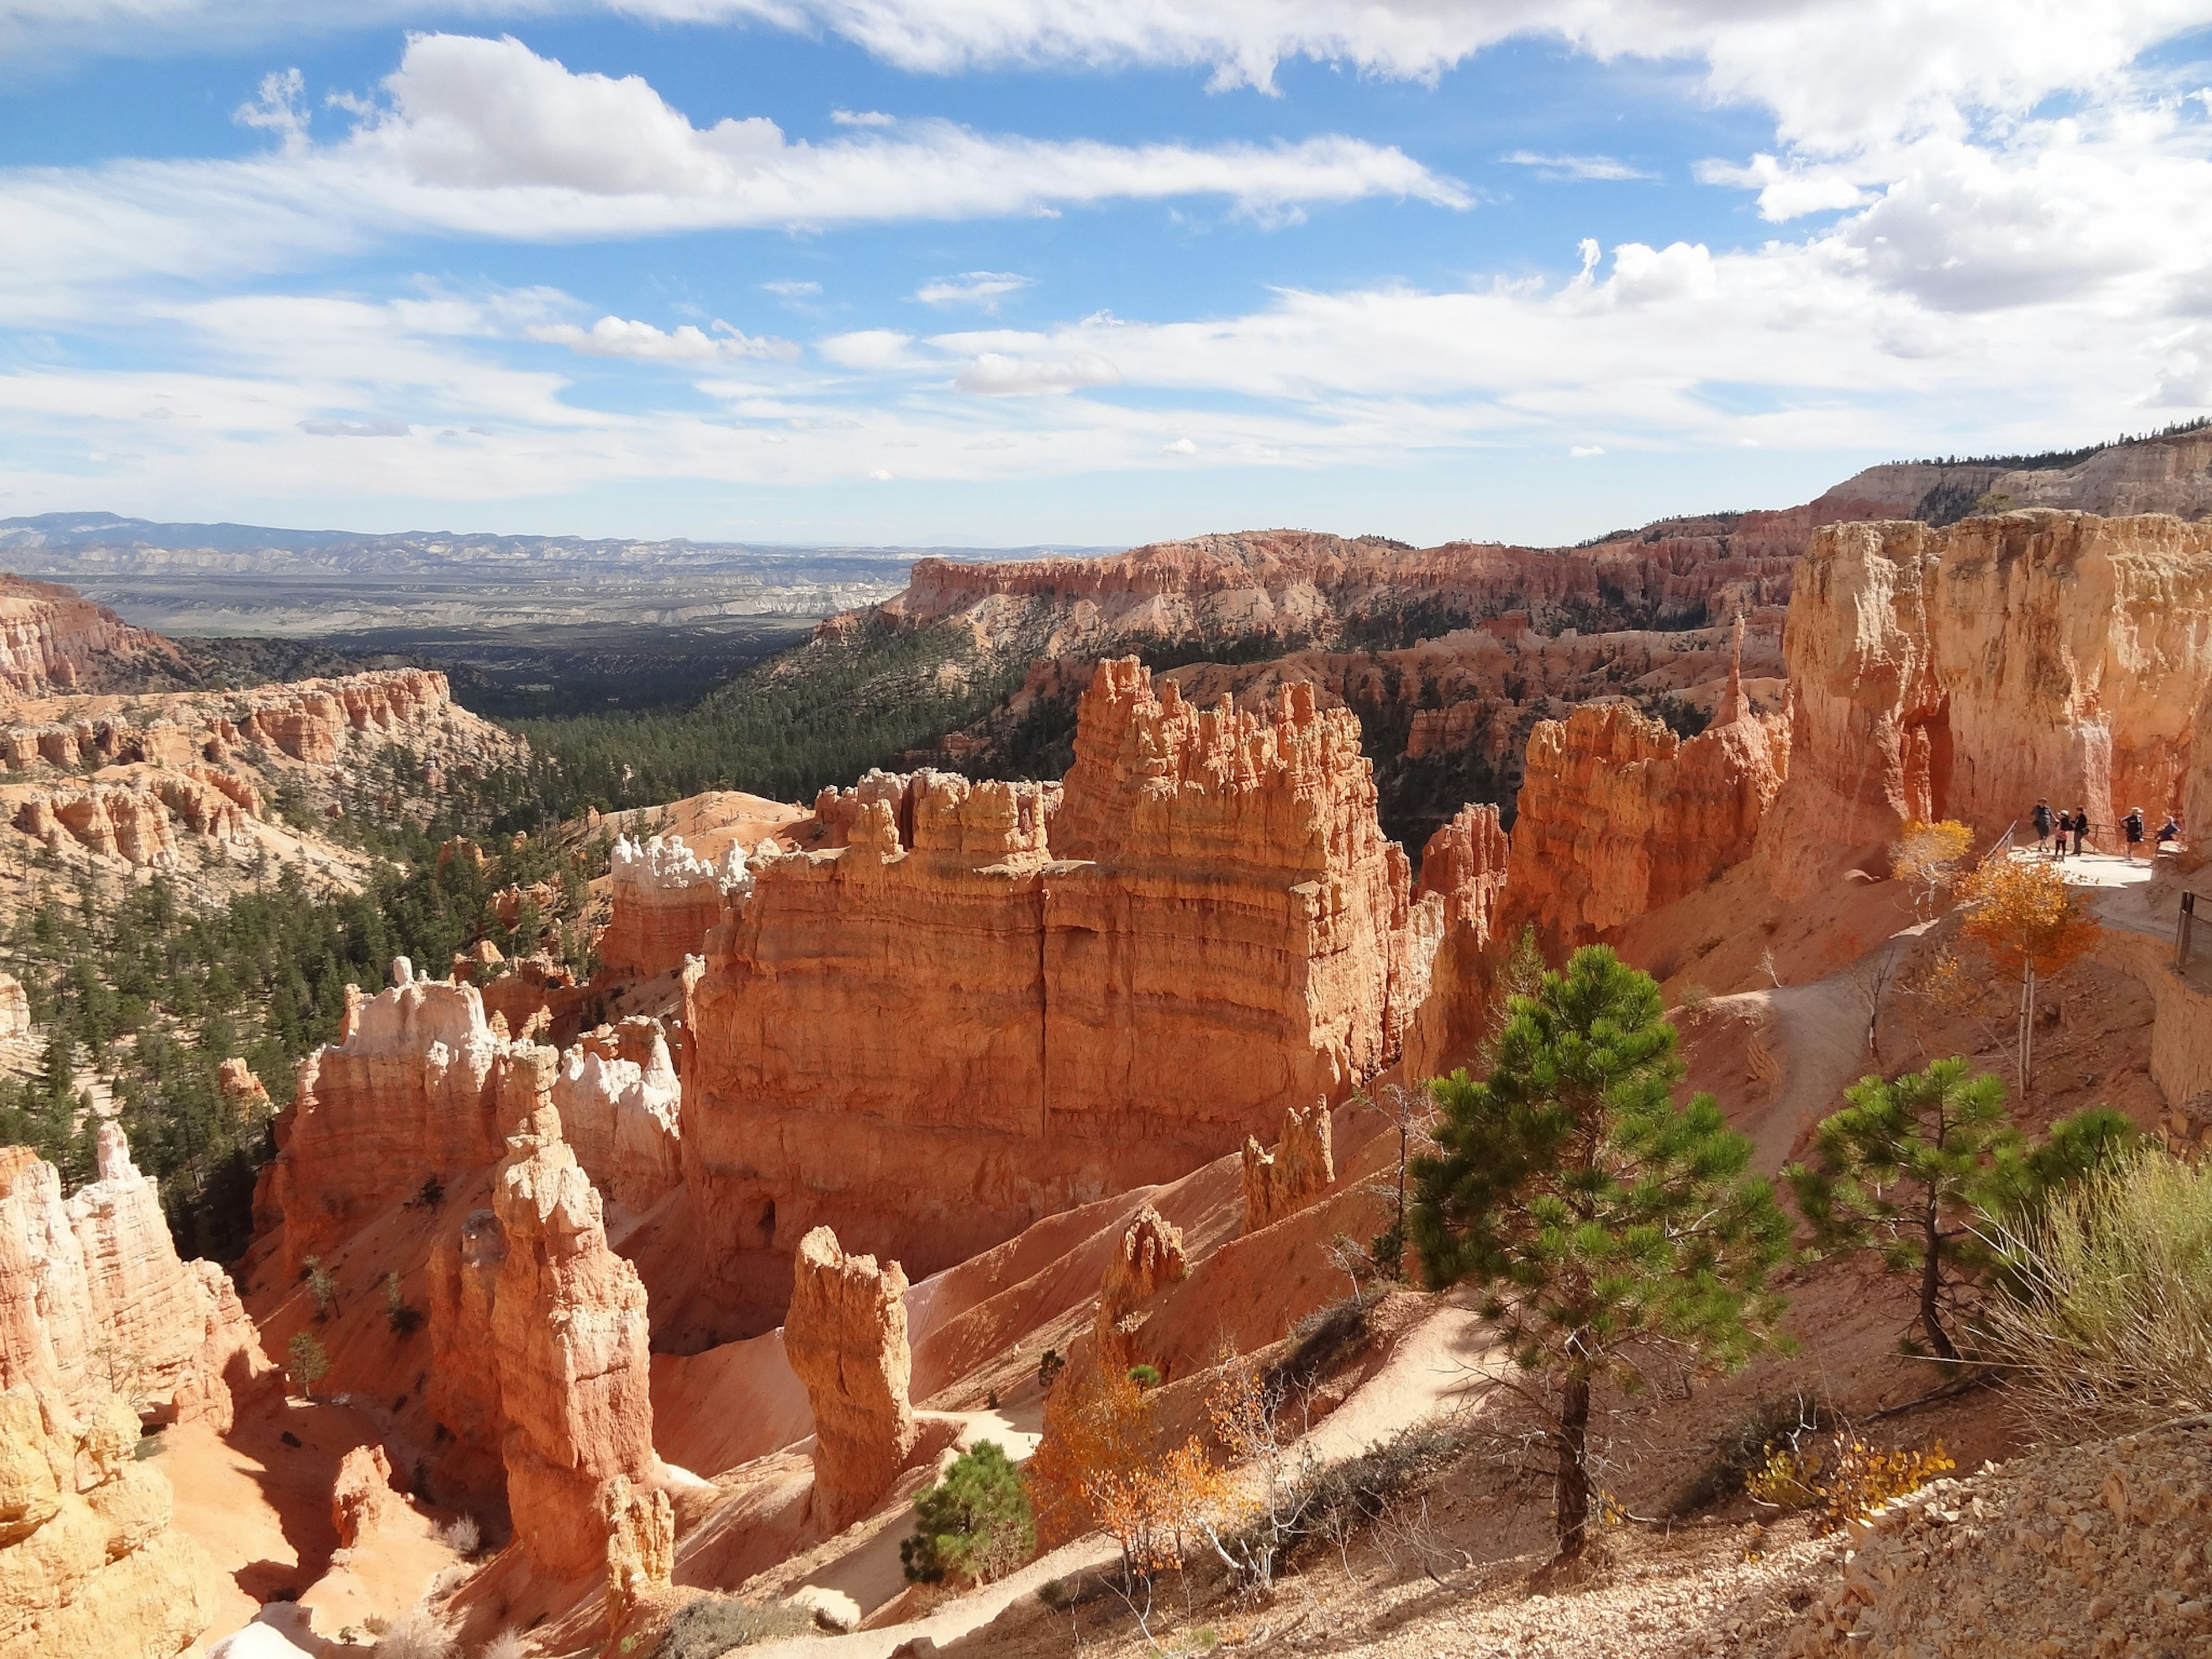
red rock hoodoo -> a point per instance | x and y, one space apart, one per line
1299 1170
846 1338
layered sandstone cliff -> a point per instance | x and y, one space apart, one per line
665 900
93 1299
996 999
88 1561
1617 815
846 1338
1968 672
52 640
423 1085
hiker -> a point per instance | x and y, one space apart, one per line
2042 820
2064 829
2170 830
2081 827
2133 826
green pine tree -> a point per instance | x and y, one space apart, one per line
1917 1169
1602 1221
974 1525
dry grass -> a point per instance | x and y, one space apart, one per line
2111 1330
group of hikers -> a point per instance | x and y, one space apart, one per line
2051 830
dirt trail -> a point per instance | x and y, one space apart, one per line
1822 1027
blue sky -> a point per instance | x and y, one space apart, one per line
992 271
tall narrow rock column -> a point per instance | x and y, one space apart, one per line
568 1336
846 1338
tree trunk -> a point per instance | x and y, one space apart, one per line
1931 1284
1571 1501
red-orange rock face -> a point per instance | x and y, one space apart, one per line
1299 1170
928 1042
664 901
94 1297
52 640
845 1337
1617 815
1967 672
568 1342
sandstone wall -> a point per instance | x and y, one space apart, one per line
94 1300
1964 672
664 899
52 640
422 1083
88 1562
927 1038
1617 815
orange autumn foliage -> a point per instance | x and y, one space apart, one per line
2023 916
1102 1465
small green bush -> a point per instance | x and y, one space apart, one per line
1144 1376
973 1526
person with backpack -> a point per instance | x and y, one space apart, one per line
2081 827
2064 829
2041 818
2170 830
2132 827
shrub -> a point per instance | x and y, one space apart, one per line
507 1644
430 1194
306 1363
973 1526
1050 1365
1144 1376
1692 1001
713 1624
1848 1481
2109 1324
404 1319
414 1634
321 1287
462 1536
1103 1462
1746 1446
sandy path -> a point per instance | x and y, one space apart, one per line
1822 1031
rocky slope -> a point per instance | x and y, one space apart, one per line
51 641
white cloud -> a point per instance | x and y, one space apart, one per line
870 349
614 337
791 290
328 428
279 105
864 117
1180 446
1584 452
1785 193
486 139
1577 167
994 375
978 288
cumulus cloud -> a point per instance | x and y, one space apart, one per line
870 349
1577 167
978 288
615 337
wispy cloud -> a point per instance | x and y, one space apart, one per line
977 287
614 337
863 117
791 290
1575 166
